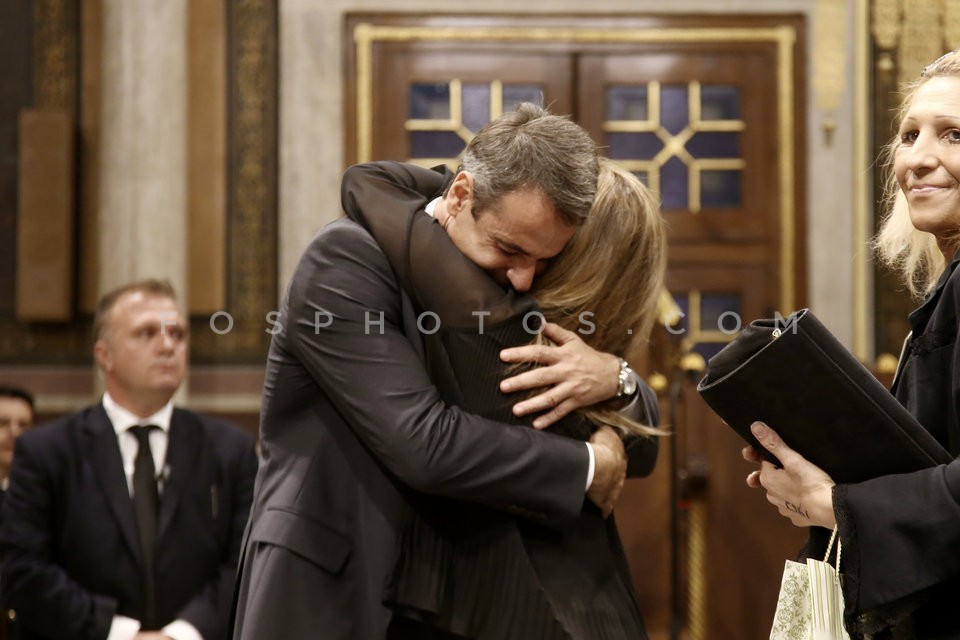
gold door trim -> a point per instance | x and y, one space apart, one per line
862 230
784 37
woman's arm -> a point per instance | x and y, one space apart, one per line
899 532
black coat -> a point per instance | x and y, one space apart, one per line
71 556
901 534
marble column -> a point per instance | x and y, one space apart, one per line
142 214
142 190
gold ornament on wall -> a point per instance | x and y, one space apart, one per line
921 37
909 34
829 59
886 31
951 24
886 22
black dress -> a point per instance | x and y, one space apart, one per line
471 571
901 533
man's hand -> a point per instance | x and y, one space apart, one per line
610 469
801 491
575 375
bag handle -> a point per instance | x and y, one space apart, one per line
833 537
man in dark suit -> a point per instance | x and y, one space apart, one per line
124 520
16 417
352 424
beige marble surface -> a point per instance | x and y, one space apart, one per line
143 134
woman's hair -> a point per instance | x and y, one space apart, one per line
899 244
610 276
531 147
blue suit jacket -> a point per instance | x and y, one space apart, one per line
68 539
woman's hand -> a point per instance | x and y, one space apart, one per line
800 490
575 375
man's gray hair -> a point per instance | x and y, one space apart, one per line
531 147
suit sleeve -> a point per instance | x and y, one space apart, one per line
376 379
642 451
45 598
900 537
209 609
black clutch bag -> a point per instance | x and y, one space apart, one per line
794 375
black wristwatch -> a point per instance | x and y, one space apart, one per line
627 382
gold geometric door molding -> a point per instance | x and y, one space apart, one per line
538 53
649 123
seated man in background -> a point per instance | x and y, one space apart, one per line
16 416
124 520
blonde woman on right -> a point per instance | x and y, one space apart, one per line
901 533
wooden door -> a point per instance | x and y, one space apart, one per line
701 127
708 111
439 97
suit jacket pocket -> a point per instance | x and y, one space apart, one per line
308 538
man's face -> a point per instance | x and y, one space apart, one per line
143 351
513 239
16 416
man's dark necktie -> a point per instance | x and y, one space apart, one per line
146 500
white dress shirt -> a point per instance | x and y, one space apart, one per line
123 627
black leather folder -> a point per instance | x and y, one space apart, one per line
794 375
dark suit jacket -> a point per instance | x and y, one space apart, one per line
351 421
71 557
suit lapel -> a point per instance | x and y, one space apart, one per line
104 453
184 444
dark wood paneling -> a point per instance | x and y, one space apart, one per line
252 85
735 65
206 156
46 36
45 219
399 65
16 93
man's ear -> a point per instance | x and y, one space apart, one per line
460 194
101 352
